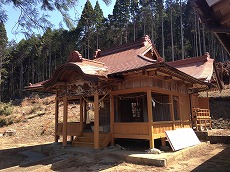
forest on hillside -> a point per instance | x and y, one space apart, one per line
173 26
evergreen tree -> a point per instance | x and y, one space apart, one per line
3 44
86 24
98 21
121 17
134 15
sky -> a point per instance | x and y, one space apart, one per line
55 17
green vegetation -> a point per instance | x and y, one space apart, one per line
6 109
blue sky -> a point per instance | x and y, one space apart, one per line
55 17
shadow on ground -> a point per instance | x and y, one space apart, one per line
26 156
219 162
53 156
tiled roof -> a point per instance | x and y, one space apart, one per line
128 57
198 67
76 66
134 56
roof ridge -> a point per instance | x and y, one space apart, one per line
190 60
141 42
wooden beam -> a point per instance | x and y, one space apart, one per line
167 77
225 19
131 90
163 141
180 111
131 136
56 118
152 73
150 118
96 121
172 111
188 85
144 89
220 5
111 118
81 114
65 114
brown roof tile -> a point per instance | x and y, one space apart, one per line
198 67
128 57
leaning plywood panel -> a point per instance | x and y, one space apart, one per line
182 138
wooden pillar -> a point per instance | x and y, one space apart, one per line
150 118
163 141
81 114
181 110
111 118
56 118
96 121
85 111
172 111
65 114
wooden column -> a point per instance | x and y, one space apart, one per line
85 111
163 141
150 118
181 110
56 118
65 114
81 114
111 118
172 111
96 121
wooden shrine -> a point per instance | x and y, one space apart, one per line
131 93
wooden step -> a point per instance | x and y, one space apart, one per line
86 139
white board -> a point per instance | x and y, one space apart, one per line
182 138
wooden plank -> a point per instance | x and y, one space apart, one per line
131 90
182 138
131 136
150 118
158 136
96 121
65 113
131 128
112 118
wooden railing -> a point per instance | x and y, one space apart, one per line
134 130
201 119
140 130
73 129
159 128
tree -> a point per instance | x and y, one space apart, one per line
32 14
134 11
169 4
98 21
181 30
3 44
121 17
85 24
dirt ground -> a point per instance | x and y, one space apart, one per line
33 123
215 157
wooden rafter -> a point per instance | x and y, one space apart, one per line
225 18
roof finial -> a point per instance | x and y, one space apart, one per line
74 56
96 53
207 55
146 38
